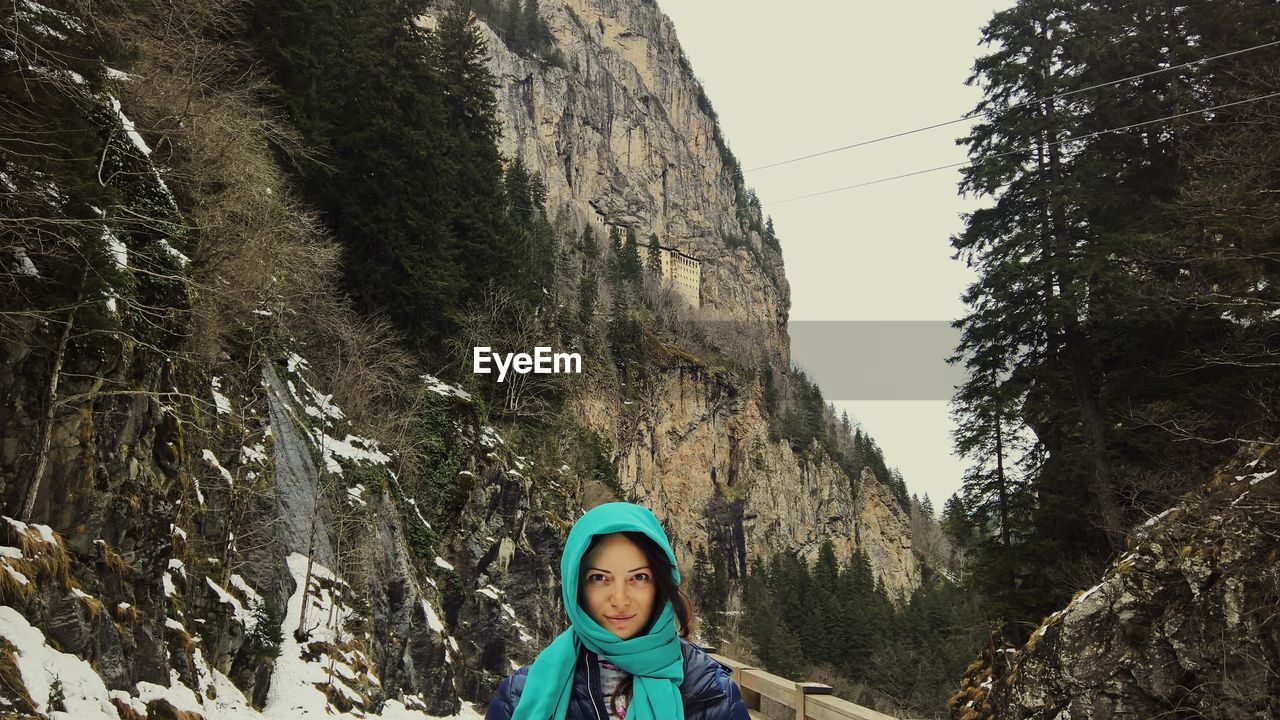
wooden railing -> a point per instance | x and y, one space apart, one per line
808 700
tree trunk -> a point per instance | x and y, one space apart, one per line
46 426
1080 359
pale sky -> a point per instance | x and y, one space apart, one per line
814 75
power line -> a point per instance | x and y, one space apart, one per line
1068 93
1023 149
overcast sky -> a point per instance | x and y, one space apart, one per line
873 263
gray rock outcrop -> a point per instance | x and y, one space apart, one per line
1183 625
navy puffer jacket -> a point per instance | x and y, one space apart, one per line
709 693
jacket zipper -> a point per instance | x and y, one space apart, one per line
595 706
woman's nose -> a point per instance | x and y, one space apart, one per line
619 596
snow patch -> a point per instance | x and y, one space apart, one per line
414 503
354 495
174 253
254 453
129 129
17 576
1256 478
212 461
84 694
440 387
119 253
490 437
220 401
242 615
433 620
347 449
1156 518
238 583
64 18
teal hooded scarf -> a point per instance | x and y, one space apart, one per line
653 659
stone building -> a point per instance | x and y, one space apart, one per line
684 272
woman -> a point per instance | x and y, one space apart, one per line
623 655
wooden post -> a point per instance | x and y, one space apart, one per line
808 688
750 698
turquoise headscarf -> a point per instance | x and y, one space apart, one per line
653 659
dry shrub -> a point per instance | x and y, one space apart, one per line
125 613
126 711
361 360
161 709
12 589
92 605
196 98
112 560
41 559
14 689
184 637
338 700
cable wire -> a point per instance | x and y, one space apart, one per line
1025 148
1068 93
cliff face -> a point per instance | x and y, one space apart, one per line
697 449
623 138
1184 625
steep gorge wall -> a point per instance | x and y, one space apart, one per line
621 138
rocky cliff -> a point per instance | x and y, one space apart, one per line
1183 625
624 136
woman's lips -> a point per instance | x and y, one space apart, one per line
619 619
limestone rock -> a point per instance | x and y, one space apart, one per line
1183 625
623 136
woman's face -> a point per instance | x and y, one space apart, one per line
617 586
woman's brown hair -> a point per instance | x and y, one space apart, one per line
665 590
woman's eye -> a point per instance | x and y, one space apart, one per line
641 577
596 578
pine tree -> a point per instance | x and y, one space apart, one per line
362 83
1025 334
955 521
588 287
629 260
825 611
625 336
655 256
516 30
484 243
539 37
776 643
771 237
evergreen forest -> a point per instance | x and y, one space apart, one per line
1121 335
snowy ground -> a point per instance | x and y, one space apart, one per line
294 692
